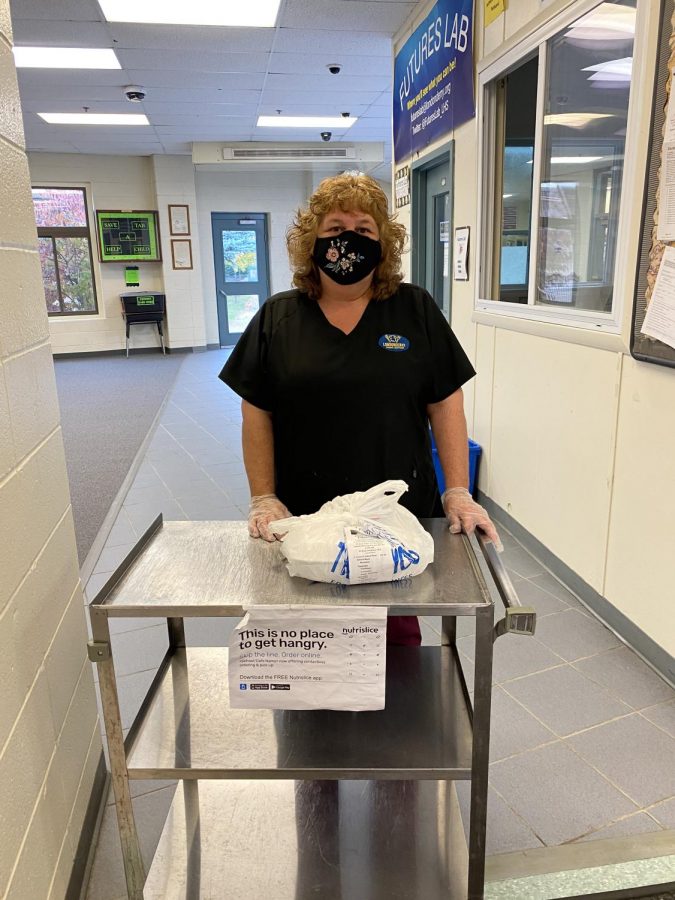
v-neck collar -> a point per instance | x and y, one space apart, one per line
336 328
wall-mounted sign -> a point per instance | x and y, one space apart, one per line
402 186
462 253
493 9
126 236
433 78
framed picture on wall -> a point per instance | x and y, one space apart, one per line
181 254
179 218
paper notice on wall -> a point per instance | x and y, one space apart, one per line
666 227
311 658
659 321
461 253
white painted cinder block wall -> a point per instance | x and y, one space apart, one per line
577 439
49 739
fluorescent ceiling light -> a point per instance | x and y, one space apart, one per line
94 118
609 21
574 159
306 121
249 13
622 67
64 58
571 159
574 120
506 196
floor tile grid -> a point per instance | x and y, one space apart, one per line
646 810
521 576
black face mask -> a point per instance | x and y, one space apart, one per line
347 257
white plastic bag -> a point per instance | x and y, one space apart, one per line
357 539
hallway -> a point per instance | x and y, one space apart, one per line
594 763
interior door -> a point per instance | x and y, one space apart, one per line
437 249
431 226
242 270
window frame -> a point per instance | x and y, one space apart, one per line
490 70
53 232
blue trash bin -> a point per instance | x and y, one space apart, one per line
475 451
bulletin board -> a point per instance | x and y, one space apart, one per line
651 249
128 235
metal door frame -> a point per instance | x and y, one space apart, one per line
418 211
218 263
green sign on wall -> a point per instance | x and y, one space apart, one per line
129 235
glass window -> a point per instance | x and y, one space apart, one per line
514 201
240 260
575 196
65 250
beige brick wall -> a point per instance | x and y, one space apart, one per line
49 743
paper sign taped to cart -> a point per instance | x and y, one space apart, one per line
309 658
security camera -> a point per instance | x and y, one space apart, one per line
334 68
345 115
326 135
134 93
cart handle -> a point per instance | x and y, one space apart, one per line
518 619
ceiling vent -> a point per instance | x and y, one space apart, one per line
286 154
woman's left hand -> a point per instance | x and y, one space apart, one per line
464 514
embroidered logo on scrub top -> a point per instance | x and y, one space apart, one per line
394 342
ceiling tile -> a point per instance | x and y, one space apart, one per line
175 78
210 83
346 15
193 37
330 107
64 79
190 61
57 33
185 123
352 66
320 85
335 45
79 95
68 10
204 95
191 110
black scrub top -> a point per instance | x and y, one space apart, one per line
349 410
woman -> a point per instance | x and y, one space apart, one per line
340 378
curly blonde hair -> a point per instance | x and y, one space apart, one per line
347 192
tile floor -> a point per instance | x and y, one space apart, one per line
583 732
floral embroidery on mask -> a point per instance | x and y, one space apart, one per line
339 260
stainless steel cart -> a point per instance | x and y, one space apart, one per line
280 805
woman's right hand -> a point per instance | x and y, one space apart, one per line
264 509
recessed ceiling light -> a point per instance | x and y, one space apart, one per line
306 121
64 58
251 13
94 118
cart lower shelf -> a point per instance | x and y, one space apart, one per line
333 840
187 729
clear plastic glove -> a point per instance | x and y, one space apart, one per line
264 509
464 514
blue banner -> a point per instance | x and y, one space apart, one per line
433 78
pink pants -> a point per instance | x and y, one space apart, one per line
404 630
